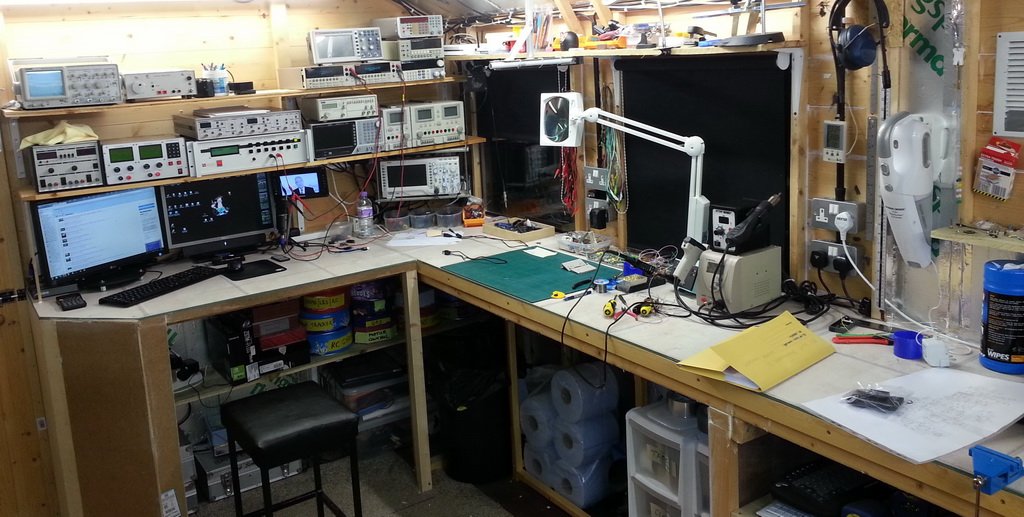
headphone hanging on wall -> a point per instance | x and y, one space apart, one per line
853 46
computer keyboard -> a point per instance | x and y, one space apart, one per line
160 286
821 487
781 509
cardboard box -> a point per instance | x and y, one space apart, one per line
504 229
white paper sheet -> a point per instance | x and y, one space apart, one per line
541 252
947 410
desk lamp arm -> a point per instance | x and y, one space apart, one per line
697 211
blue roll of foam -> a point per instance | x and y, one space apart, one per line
579 443
540 462
1002 317
584 391
537 419
584 485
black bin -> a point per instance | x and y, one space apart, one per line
475 429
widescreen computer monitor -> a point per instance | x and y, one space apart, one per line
218 216
97 240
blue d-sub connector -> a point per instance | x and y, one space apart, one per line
994 469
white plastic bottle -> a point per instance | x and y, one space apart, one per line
364 216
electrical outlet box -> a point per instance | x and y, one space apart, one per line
824 211
596 181
833 250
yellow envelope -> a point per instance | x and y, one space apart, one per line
761 357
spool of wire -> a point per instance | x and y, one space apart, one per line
601 285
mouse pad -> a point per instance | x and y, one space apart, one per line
254 269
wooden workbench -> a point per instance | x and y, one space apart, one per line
112 411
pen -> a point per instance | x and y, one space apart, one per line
577 295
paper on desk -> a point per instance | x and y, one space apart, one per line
946 410
540 252
62 133
761 357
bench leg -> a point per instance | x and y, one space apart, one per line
353 456
268 502
235 484
318 484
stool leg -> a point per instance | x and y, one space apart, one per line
235 484
318 484
353 457
268 502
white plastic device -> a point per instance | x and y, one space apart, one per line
833 147
905 174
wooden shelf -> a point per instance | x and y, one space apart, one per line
194 395
633 52
86 110
978 238
28 193
750 509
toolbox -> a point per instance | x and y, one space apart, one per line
213 479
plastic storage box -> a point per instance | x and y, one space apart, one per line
583 243
651 504
666 461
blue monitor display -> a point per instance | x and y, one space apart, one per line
84 238
44 84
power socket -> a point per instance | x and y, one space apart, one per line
824 211
833 250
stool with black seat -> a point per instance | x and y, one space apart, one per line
300 421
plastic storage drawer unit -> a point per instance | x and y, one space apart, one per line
667 457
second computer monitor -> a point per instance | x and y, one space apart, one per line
223 215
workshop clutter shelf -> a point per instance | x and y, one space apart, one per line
29 194
212 389
965 235
154 118
634 52
268 94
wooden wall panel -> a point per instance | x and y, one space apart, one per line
26 476
991 18
26 480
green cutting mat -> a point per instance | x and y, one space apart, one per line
527 277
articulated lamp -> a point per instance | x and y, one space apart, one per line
561 124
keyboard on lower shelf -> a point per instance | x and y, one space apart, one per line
780 509
160 286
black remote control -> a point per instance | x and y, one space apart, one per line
70 302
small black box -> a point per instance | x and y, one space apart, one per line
241 88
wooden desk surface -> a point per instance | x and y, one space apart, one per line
219 294
651 349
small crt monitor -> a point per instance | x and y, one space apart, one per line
306 183
93 240
223 215
43 84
